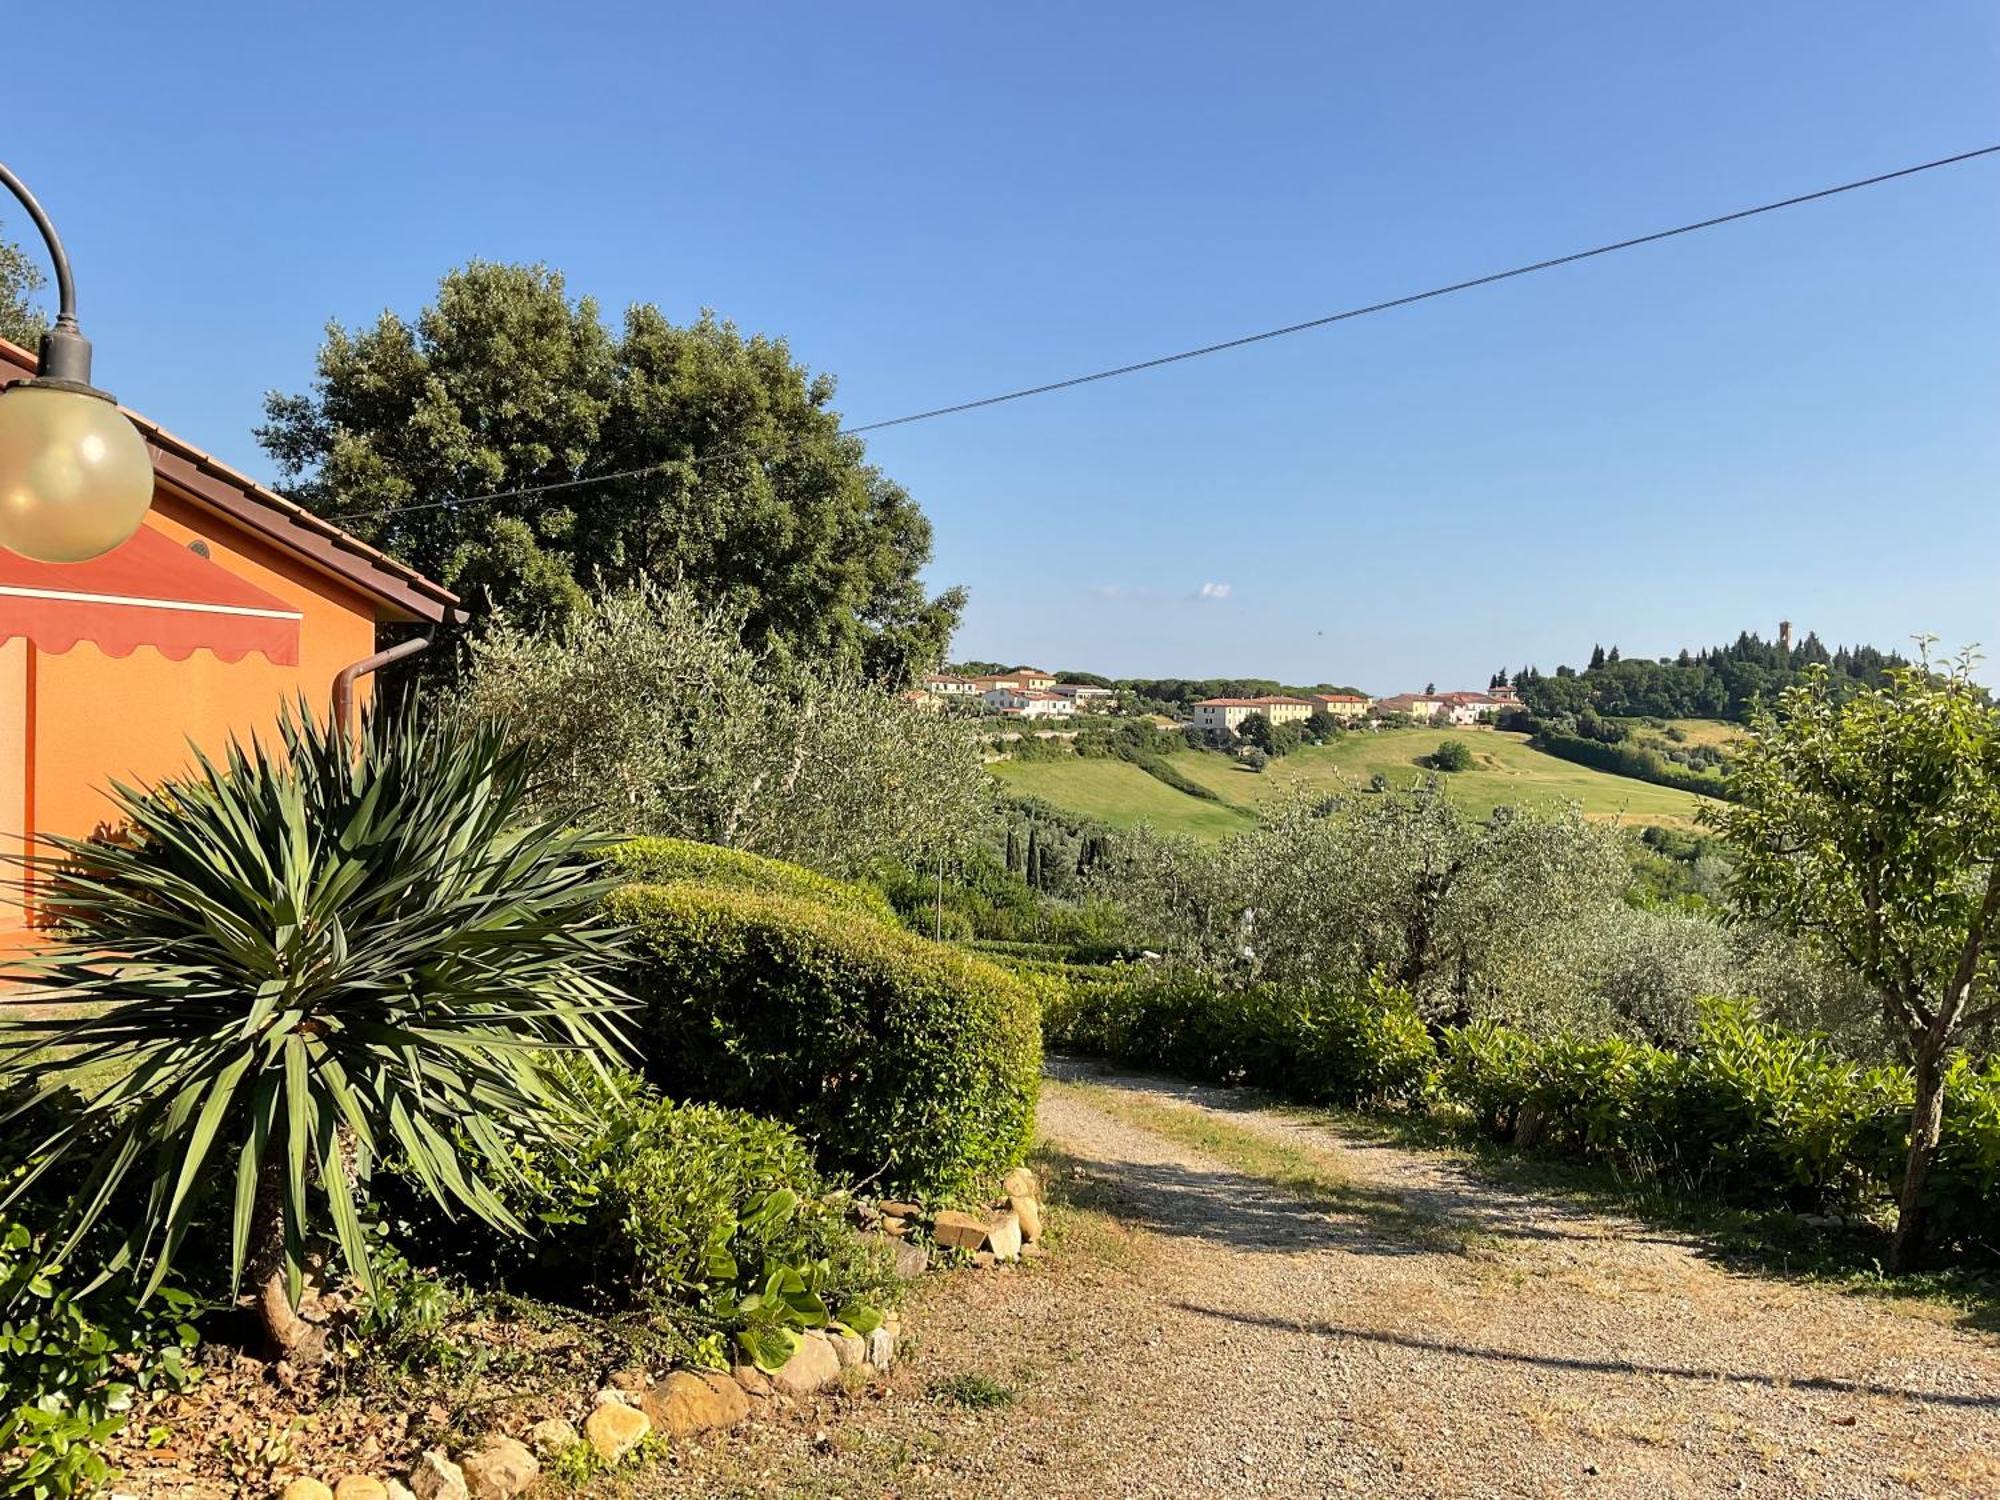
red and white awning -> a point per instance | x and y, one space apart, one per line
149 591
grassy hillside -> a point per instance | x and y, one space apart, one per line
1119 793
1504 770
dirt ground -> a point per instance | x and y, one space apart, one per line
1294 1312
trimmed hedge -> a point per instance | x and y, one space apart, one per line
890 1054
1313 1044
1749 1114
1634 761
664 861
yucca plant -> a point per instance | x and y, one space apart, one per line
302 960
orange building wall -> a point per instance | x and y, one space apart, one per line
72 723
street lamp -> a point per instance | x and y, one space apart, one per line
75 479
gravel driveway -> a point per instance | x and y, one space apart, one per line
1399 1329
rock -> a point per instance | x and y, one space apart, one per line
1003 1237
850 1348
397 1490
548 1437
685 1403
894 1225
436 1477
1029 1212
958 1231
500 1469
984 1259
1021 1183
631 1379
752 1379
307 1489
614 1429
882 1348
1033 1252
812 1365
910 1261
896 1208
612 1396
360 1487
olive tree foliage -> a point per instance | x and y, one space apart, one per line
1519 917
649 713
1869 823
748 492
1462 912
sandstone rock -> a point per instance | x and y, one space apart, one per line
1029 1212
900 1209
307 1489
812 1365
685 1403
499 1469
984 1259
631 1379
910 1261
436 1477
550 1436
397 1490
614 1429
1003 1237
752 1379
849 1348
958 1231
1021 1183
894 1225
612 1396
360 1487
882 1348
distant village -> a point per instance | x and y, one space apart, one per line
1027 693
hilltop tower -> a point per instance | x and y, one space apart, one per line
1784 635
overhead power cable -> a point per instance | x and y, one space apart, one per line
1202 351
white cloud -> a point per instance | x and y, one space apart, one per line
1212 591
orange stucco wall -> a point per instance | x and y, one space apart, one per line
72 723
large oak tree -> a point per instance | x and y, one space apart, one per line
752 497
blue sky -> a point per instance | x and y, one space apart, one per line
1792 417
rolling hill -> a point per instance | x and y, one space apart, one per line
1504 771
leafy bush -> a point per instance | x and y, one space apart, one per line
69 1364
1450 755
1321 1044
888 1052
664 861
1630 760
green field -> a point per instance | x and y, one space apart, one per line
1505 771
1119 793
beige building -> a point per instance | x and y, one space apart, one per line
1342 705
1229 713
1029 703
950 685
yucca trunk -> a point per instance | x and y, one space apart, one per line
287 1335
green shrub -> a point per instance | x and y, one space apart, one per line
1450 755
663 861
889 1053
1321 1044
69 1365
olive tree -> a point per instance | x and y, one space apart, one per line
1870 824
649 713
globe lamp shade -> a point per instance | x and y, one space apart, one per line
75 478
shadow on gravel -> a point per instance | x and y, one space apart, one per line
1248 1213
1321 1329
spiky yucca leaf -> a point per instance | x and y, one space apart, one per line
306 958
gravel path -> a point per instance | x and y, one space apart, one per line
1406 1331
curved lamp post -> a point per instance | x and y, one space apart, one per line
75 479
